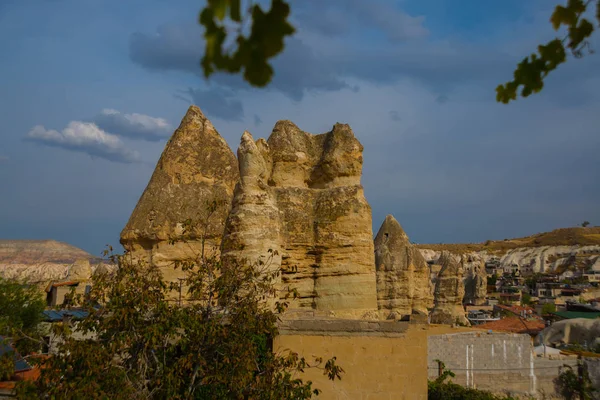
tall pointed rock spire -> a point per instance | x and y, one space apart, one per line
196 169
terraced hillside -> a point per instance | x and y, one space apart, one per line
39 260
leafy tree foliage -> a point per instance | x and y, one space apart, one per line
525 299
572 384
530 73
252 52
585 223
140 343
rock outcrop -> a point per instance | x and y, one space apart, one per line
403 283
571 331
81 270
300 195
193 181
449 292
476 285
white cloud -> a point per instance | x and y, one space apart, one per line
135 126
86 138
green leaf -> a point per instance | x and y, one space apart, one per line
579 33
562 16
577 6
266 39
219 8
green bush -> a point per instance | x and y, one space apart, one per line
439 389
548 308
7 366
451 391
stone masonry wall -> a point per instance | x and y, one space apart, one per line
498 362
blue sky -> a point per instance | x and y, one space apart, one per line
90 90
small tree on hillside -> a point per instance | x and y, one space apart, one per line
525 299
585 223
571 384
548 308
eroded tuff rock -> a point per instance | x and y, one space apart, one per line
449 292
403 282
300 194
196 169
476 285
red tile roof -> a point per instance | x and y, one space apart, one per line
30 375
514 325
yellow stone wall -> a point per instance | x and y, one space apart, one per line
378 364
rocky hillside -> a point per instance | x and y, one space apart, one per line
552 251
37 261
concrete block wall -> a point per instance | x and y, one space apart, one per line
497 362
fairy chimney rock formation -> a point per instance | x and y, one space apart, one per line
300 195
449 292
193 181
403 283
476 285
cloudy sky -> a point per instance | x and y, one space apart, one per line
91 90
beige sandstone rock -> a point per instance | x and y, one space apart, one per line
449 292
196 169
80 271
476 285
403 282
300 195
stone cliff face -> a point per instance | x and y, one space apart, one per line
543 252
300 194
41 261
449 292
193 180
529 259
403 284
